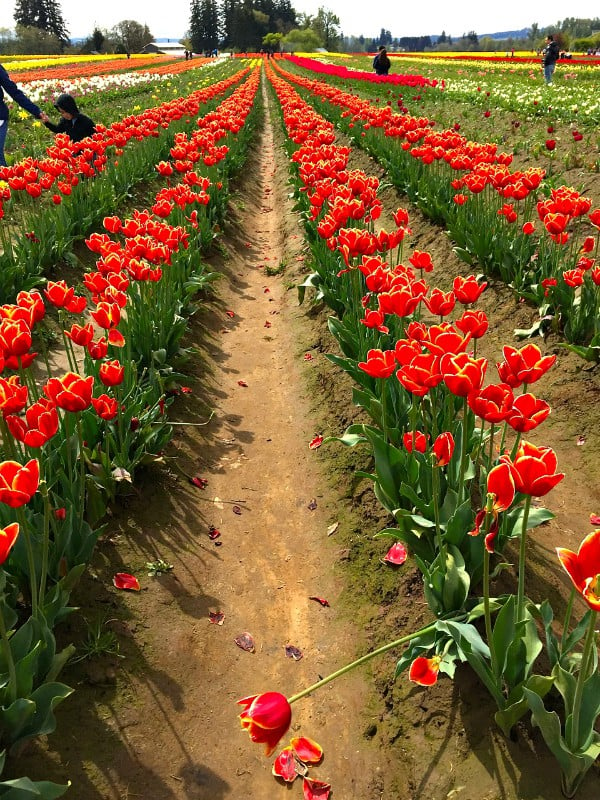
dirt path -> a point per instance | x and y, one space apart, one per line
162 721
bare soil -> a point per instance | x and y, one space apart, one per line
159 720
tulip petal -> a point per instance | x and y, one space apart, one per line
320 600
201 483
293 652
284 766
242 383
316 442
397 554
122 580
307 750
315 790
216 617
245 641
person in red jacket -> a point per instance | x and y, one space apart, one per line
11 88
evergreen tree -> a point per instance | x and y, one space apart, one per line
43 14
204 25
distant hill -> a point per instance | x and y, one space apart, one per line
521 34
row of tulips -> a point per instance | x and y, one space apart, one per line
541 240
69 442
47 203
449 463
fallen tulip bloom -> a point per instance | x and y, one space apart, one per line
315 790
266 717
424 671
396 555
123 580
284 766
306 750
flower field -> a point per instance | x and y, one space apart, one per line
276 345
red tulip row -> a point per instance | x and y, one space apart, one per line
424 385
489 210
74 439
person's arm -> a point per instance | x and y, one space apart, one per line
11 88
60 128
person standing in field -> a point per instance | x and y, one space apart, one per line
550 57
11 88
381 62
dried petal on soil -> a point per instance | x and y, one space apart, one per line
312 505
230 314
333 528
594 519
245 641
320 600
213 533
396 555
315 790
201 483
216 617
316 442
242 383
284 765
123 580
293 652
236 510
307 750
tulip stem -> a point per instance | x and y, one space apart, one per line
24 528
567 621
10 662
463 454
581 679
362 660
43 488
522 555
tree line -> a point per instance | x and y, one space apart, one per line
272 25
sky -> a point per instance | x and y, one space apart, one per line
170 19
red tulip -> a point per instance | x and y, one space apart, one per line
493 403
463 374
99 349
8 536
111 373
421 374
424 671
527 413
440 303
266 717
583 568
18 483
443 448
71 392
13 396
39 426
15 337
416 441
526 365
58 293
379 363
467 290
473 322
106 407
534 469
